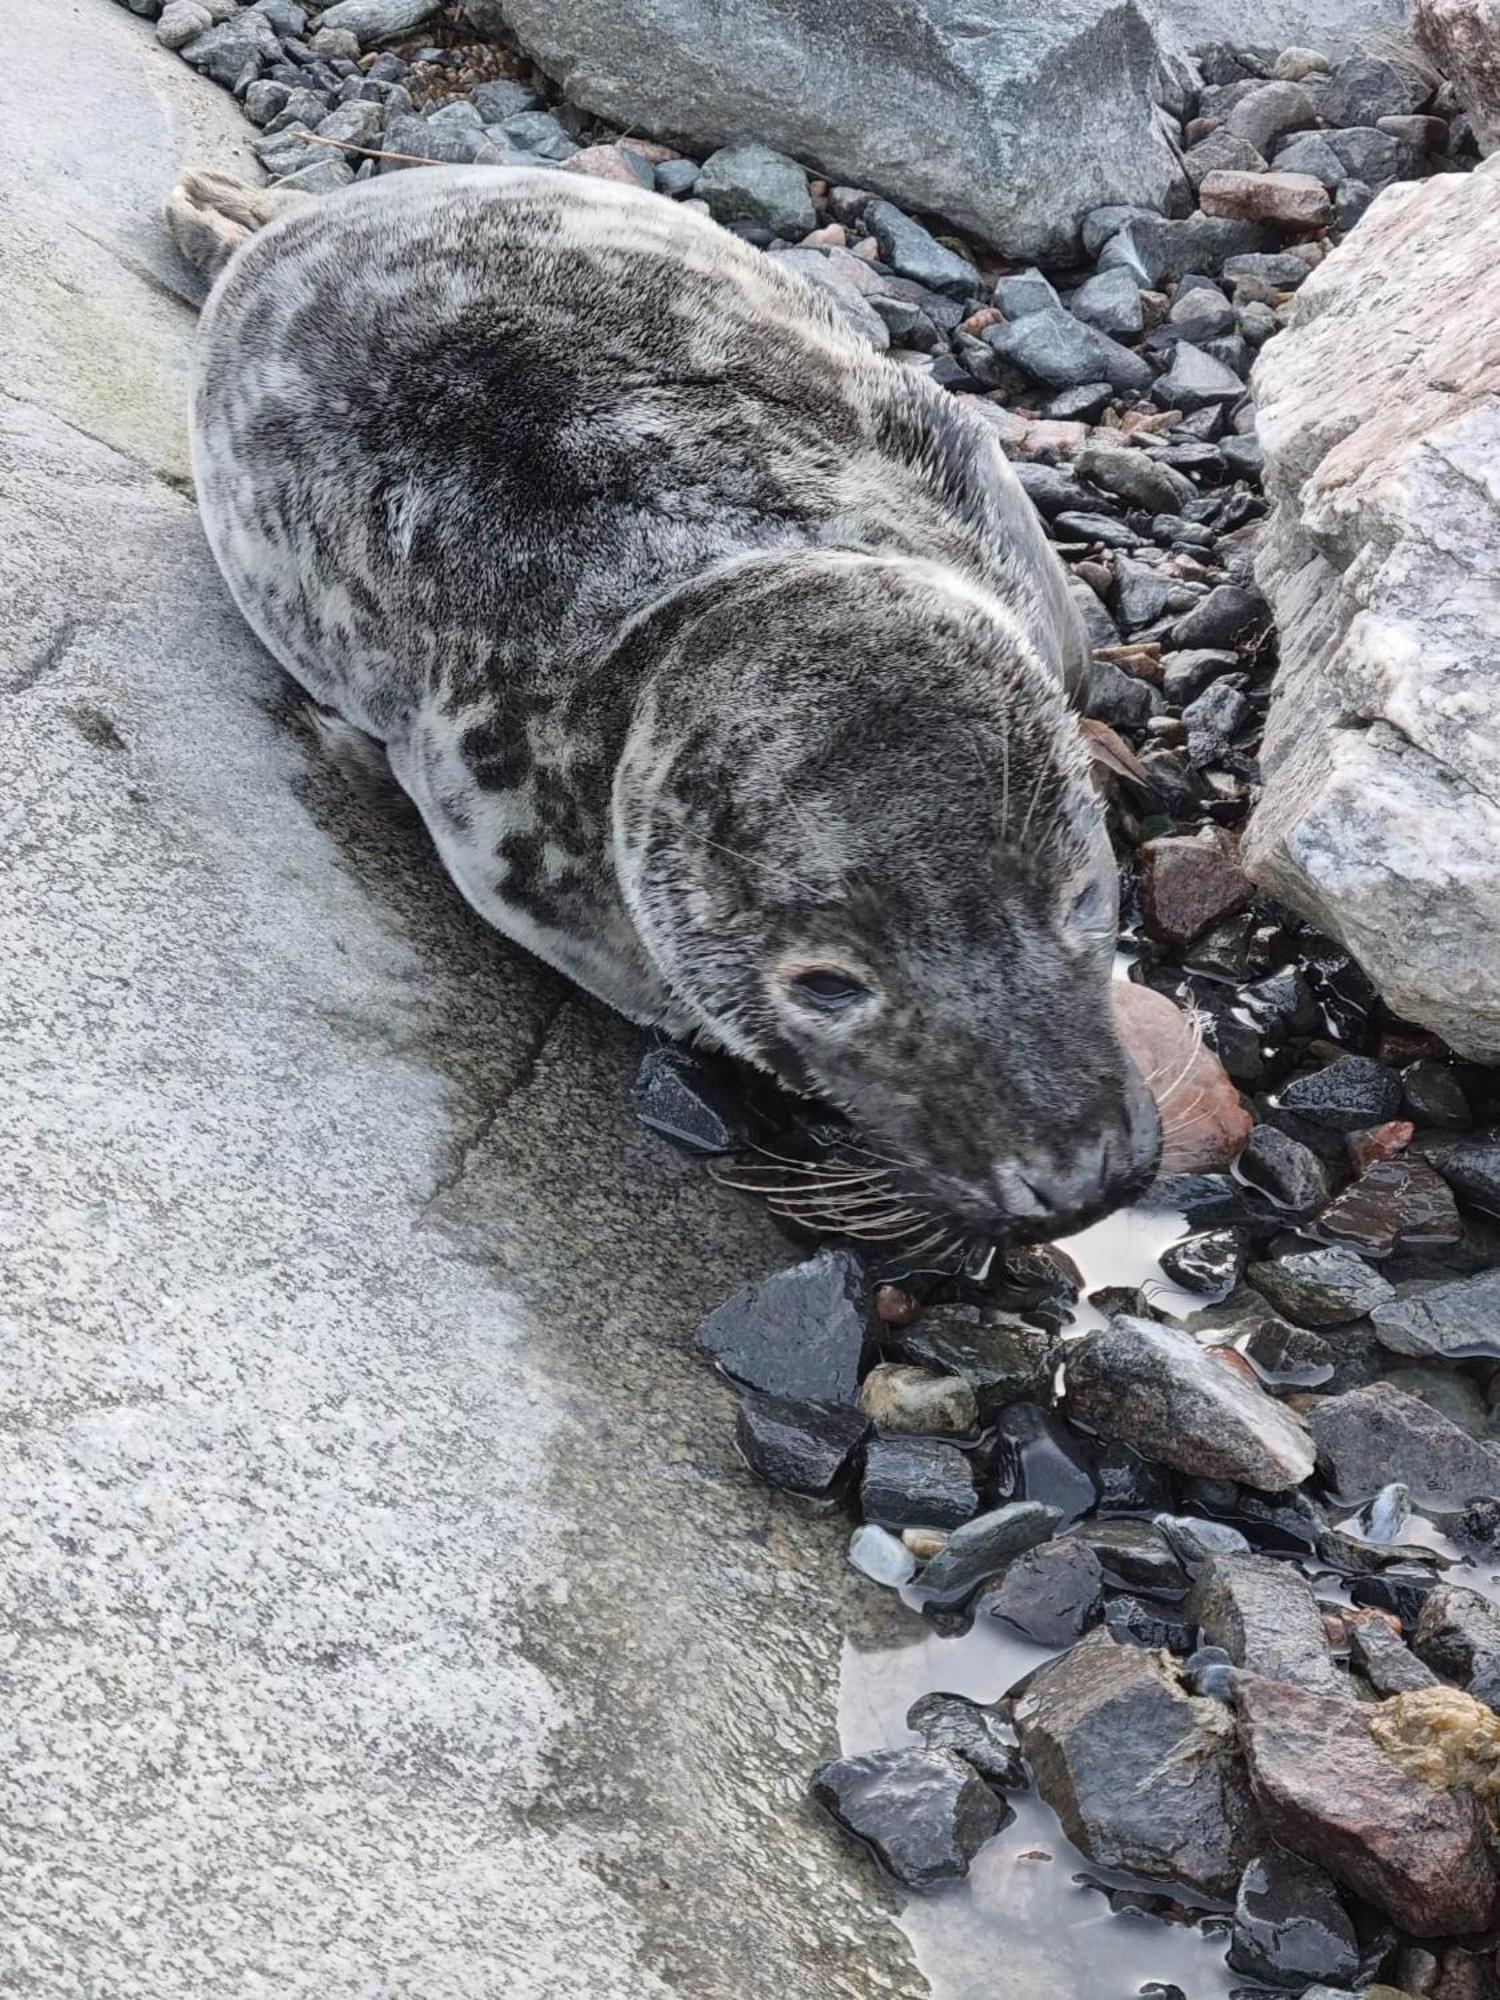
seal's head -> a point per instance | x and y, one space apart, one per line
854 826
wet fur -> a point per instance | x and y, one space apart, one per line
701 636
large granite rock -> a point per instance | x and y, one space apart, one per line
1336 27
1379 411
1009 120
1461 38
386 1608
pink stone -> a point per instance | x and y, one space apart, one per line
1204 1125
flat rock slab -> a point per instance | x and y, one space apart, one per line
1329 1792
397 1615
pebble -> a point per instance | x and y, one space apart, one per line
1110 301
1385 1660
982 1547
1133 475
1284 1170
749 182
915 253
1228 616
1262 1613
1191 882
900 1397
802 1333
1292 200
1023 292
924 1813
973 1731
180 21
1326 1788
1458 1636
690 1100
1051 1595
802 1448
1003 1362
1053 347
378 20
879 1555
916 1482
1099 1727
1320 1288
1289 1925
1472 1169
1345 1095
1157 1389
1208 1262
1367 1437
1394 1205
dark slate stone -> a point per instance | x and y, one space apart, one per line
803 1333
1387 1662
1039 1458
1050 489
1310 153
1053 347
1458 1636
1083 405
1158 251
1278 268
982 1547
1052 1594
973 1731
915 253
1263 1614
1186 674
924 1813
1350 200
499 99
1208 1262
689 1099
800 1447
1228 616
1135 1556
1005 1360
1102 528
1142 594
1433 1095
1196 380
916 1482
1128 1483
1284 1170
1472 1170
1369 155
1133 1621
1346 1095
1289 1925
1319 1288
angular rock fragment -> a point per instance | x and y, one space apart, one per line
749 182
1143 1776
1373 1435
688 1100
1053 347
1394 1205
1292 200
1345 1095
1385 1660
1052 1594
1289 1925
972 1731
1330 1792
1458 1636
1263 1614
1320 1288
1156 1388
876 1553
1004 1360
925 1814
916 1482
800 1447
1189 884
1039 1458
803 1333
1450 1321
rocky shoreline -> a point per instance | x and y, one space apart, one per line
1248 1516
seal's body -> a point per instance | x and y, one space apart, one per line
723 658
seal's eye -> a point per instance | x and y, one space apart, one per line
827 989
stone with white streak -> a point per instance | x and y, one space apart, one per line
1379 412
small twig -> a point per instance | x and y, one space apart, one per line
369 152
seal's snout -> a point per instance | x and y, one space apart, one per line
1107 1170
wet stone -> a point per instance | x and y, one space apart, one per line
1449 1321
924 1813
899 1397
1003 1362
1458 1636
1320 1288
1206 1671
1127 1483
972 1731
1191 883
1346 1095
1387 1516
1137 1621
1284 1170
1052 1595
1156 1388
800 1447
1386 1661
1326 1789
689 1101
1135 1556
1367 1437
1433 1095
1289 1925
1099 1726
802 1333
1195 1540
1262 1613
1472 1170
1209 1262
877 1554
1394 1205
1038 1458
916 1482
983 1546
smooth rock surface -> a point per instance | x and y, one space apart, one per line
1379 411
926 1813
1370 1436
1011 122
396 1612
1449 1321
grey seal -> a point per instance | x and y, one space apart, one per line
725 659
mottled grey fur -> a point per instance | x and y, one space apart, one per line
712 647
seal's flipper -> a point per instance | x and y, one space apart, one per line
210 216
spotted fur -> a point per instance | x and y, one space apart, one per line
709 644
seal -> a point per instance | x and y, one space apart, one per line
724 658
